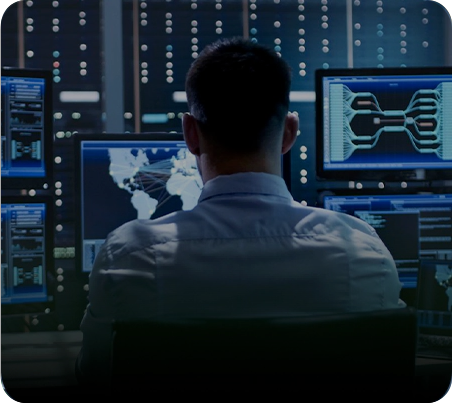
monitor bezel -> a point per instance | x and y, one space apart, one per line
78 138
44 182
44 307
388 175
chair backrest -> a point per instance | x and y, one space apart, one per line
283 351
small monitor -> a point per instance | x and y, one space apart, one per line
413 227
122 177
434 298
384 124
27 255
26 128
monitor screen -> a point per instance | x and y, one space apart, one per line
27 254
413 227
121 177
384 124
26 128
434 297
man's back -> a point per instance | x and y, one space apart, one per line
247 249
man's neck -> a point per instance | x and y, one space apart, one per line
212 167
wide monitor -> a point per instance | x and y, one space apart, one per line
27 283
384 123
413 227
121 177
26 128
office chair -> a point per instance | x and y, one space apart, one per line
355 353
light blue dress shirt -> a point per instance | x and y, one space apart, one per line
246 250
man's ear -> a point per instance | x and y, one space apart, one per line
191 133
290 132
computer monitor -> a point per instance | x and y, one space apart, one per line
384 123
413 227
27 282
121 177
26 128
434 298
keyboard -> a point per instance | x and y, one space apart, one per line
434 347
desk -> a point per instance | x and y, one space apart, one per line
432 366
40 359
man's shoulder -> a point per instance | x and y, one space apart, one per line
317 220
137 235
148 231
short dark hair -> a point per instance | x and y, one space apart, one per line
238 91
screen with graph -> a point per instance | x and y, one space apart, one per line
27 246
26 125
390 123
122 177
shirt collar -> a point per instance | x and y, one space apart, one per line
245 183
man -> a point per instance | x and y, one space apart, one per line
247 249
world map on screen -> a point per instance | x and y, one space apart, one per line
444 278
134 171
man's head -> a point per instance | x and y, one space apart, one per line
238 98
